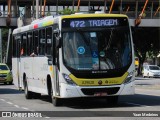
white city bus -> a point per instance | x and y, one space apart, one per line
73 56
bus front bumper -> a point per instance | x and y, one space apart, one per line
69 91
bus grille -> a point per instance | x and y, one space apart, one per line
92 91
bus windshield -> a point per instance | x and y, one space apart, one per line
100 49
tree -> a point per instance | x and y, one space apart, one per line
66 11
146 44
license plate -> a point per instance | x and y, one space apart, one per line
100 94
2 79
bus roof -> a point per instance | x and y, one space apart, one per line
49 20
79 15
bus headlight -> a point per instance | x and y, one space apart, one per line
68 79
129 78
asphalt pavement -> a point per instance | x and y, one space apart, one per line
146 98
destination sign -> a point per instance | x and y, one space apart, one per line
93 23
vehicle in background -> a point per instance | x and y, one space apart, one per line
151 71
136 65
5 74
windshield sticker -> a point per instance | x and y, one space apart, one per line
95 54
84 68
81 50
102 53
93 34
95 63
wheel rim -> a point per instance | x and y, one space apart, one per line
52 97
26 90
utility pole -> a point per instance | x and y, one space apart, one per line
73 5
121 7
9 34
57 7
0 46
105 5
37 9
0 43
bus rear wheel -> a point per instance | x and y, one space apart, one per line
28 94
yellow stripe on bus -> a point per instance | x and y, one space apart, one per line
98 81
92 15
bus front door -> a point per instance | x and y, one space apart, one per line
56 81
19 65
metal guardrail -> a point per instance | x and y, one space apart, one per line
27 20
130 14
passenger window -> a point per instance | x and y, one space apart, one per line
29 43
15 49
14 44
23 45
49 40
42 42
36 42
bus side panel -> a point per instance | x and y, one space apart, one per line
36 70
40 71
26 69
15 71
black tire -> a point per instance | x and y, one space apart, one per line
36 95
28 94
143 76
11 83
148 75
112 100
55 101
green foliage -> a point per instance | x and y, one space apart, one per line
66 11
152 53
5 33
48 13
146 43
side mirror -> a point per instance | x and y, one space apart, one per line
56 33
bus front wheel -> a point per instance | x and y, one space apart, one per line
55 101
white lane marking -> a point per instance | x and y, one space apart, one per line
16 106
137 104
10 103
47 117
32 110
2 99
25 108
